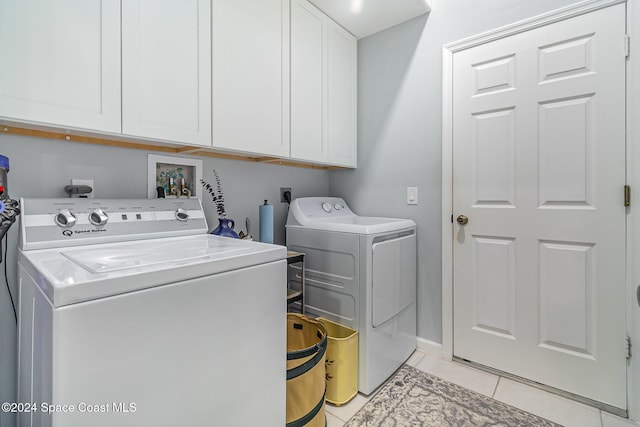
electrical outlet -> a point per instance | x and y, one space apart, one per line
285 195
88 182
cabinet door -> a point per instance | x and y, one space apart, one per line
61 62
308 89
341 96
250 75
166 70
323 88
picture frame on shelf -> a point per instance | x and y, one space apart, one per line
186 174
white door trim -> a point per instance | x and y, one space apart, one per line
633 109
633 215
538 21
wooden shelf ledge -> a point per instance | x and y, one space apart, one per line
124 142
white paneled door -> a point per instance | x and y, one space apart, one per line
539 171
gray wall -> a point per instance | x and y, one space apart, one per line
41 168
400 126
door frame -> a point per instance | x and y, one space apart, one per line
632 176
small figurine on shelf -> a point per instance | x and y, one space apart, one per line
173 181
225 225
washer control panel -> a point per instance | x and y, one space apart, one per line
67 222
65 218
182 215
98 217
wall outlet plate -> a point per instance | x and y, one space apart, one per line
283 198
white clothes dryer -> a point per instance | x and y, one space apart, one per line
132 315
360 272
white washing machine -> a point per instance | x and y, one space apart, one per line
360 272
132 315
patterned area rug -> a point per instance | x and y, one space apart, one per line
413 398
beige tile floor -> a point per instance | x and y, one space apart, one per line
547 405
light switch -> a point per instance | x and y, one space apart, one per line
412 195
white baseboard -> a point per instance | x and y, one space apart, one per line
432 348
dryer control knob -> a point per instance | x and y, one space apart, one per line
337 206
326 207
181 215
98 217
65 218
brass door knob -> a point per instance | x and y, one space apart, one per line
462 219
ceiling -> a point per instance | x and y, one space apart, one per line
365 17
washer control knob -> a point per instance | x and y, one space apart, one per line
326 207
98 217
181 215
337 206
65 218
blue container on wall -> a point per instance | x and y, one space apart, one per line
266 222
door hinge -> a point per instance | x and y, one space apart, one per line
451 218
627 352
627 196
627 42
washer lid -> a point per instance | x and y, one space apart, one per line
71 275
148 254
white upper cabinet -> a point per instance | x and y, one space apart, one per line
308 29
250 76
323 88
61 62
342 58
166 70
273 78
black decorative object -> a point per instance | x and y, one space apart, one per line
216 194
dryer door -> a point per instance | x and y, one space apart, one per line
393 274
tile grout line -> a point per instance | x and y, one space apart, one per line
335 416
421 357
328 411
495 389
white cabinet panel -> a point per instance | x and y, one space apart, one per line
61 62
250 76
323 88
342 58
166 70
308 27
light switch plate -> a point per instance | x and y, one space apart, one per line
412 195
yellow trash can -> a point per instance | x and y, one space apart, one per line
306 351
342 362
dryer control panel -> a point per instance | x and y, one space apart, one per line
307 209
50 223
